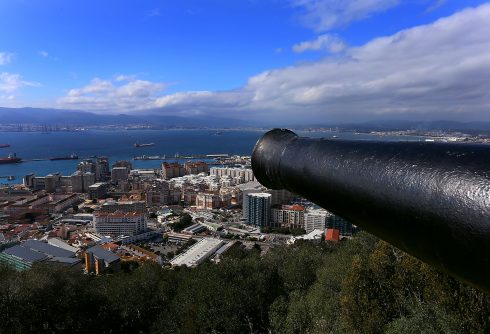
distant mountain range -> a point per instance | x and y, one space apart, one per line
59 117
393 125
400 125
444 125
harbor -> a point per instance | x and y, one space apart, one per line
35 149
183 157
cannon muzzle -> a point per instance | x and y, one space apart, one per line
431 200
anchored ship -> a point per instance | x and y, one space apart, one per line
143 145
4 145
11 159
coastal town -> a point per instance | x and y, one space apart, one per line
193 208
109 215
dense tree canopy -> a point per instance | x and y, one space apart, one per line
360 286
184 221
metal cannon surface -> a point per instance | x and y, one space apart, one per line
431 200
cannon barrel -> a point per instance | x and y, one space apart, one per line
431 200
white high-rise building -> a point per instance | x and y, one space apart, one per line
290 216
316 219
239 175
120 223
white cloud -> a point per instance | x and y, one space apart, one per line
441 70
123 77
43 53
121 94
10 83
324 42
6 58
323 15
205 102
435 5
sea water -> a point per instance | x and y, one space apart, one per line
119 145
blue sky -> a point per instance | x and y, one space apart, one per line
220 57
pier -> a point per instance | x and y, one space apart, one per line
182 157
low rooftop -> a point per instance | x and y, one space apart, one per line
103 254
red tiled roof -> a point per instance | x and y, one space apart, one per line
332 235
294 207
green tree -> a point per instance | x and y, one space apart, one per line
424 319
184 221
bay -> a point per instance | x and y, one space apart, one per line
119 145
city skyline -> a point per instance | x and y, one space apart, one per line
315 60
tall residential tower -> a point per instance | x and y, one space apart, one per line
259 209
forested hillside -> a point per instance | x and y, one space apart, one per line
359 286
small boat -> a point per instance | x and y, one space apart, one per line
143 145
4 145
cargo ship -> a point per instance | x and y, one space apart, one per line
11 159
71 157
4 145
143 145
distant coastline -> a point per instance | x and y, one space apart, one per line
434 134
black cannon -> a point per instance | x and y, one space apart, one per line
431 200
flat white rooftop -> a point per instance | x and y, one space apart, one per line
197 253
261 195
61 244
